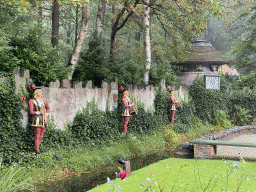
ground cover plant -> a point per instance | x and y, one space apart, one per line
58 164
9 181
176 174
93 139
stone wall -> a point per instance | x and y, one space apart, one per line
65 99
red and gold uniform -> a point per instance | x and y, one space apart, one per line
173 107
39 107
127 104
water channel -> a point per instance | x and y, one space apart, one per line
98 176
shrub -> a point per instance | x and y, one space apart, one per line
11 141
241 116
245 99
92 126
186 113
206 101
221 119
34 52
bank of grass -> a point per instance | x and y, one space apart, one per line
175 174
67 161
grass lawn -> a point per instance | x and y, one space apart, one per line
176 174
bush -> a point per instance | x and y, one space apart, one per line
10 126
186 113
92 126
92 65
246 100
241 116
221 119
34 52
207 101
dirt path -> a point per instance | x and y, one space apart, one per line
224 150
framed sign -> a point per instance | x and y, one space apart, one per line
212 81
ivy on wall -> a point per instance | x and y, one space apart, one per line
10 124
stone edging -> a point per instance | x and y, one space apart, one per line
231 133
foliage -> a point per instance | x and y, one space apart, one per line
162 71
92 64
245 99
36 54
93 126
206 101
221 119
162 104
9 181
186 113
247 81
10 126
128 71
54 137
7 60
244 52
241 116
144 122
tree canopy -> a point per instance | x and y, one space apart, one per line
27 30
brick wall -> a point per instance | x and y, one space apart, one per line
204 151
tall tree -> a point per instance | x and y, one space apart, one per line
100 17
119 24
55 23
147 43
81 37
244 53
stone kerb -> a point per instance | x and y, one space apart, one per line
208 151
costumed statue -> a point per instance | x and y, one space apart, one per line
129 108
175 104
38 107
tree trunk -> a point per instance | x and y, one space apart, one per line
76 32
81 37
68 33
137 38
55 23
147 45
40 16
100 17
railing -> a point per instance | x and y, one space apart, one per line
219 142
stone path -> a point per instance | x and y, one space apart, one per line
224 150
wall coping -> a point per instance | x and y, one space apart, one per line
226 133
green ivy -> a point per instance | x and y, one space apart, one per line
10 125
207 101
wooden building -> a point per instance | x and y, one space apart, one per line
202 59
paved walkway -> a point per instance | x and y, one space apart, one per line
239 151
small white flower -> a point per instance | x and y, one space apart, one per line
108 179
119 188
